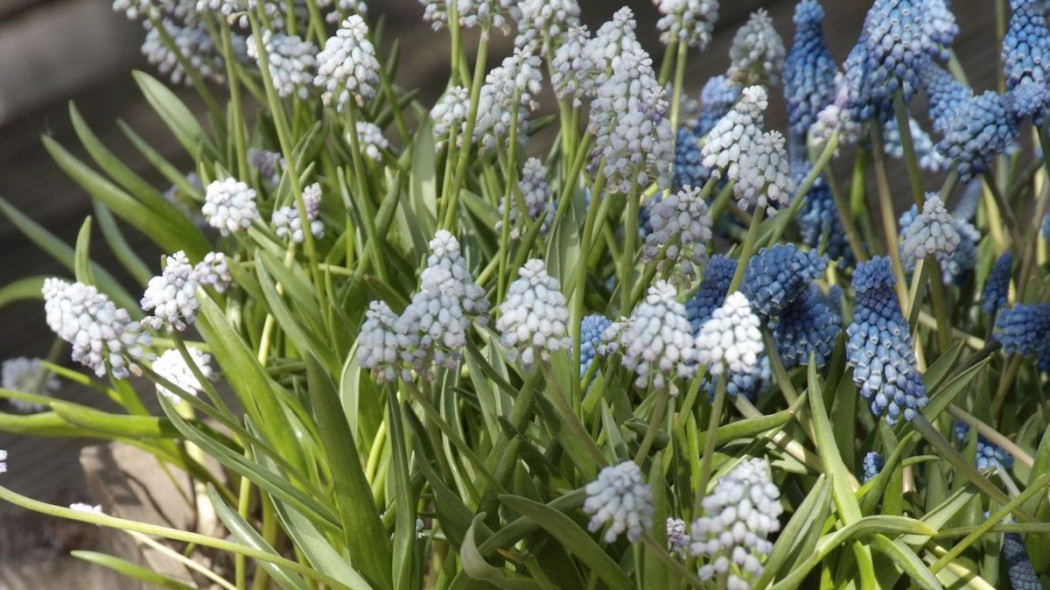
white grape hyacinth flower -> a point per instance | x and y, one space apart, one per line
534 319
84 507
291 60
213 272
657 342
730 339
172 296
757 54
172 366
380 345
28 375
735 134
932 233
347 66
764 179
229 206
687 21
371 140
621 500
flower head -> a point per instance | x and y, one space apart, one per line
681 231
591 329
287 223
472 13
775 277
83 507
657 343
546 22
818 219
810 325
735 134
738 517
677 536
291 60
989 455
621 500
28 375
347 66
229 206
925 150
879 347
213 272
946 95
979 129
508 88
764 177
103 335
572 66
872 465
533 318
172 366
1019 568
372 141
730 340
450 112
1026 45
688 169
687 21
536 194
994 294
1025 329
172 296
194 45
380 345
931 233
717 97
267 163
757 53
717 276
809 74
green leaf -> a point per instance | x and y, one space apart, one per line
27 289
573 538
364 534
845 499
170 172
937 371
422 187
82 257
801 531
243 532
119 246
130 570
304 338
946 393
62 253
128 426
46 424
475 566
175 115
906 559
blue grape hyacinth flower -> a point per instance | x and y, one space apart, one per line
993 296
1019 568
809 326
818 219
809 75
988 454
1025 329
872 465
688 162
714 283
776 276
591 329
880 348
1026 44
980 129
945 95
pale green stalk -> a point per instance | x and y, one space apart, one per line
451 199
709 441
747 248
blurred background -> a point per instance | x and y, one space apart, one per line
56 51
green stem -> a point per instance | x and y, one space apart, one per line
452 199
508 202
235 99
1004 209
709 441
911 162
627 257
747 248
578 287
676 90
659 410
889 220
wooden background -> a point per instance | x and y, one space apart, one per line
52 51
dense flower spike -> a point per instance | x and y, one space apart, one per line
28 375
472 13
236 11
213 272
1019 568
534 320
735 134
591 329
957 265
536 194
267 163
979 129
1026 45
945 94
809 326
450 113
809 75
688 167
371 140
717 97
776 276
993 296
291 60
380 345
757 53
925 150
989 455
545 22
340 9
818 220
739 515
507 88
172 366
1025 329
765 180
621 500
879 347
229 206
172 296
687 21
286 221
717 276
1027 100
931 233
193 43
103 335
657 342
940 26
681 230
837 116
730 340
677 537
347 66
572 66
435 323
872 465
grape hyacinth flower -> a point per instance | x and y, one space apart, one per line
996 287
1026 44
268 164
534 318
621 500
1025 329
292 62
956 267
450 113
591 329
872 465
980 129
945 94
757 53
925 149
28 375
739 515
229 9
508 88
677 537
340 9
809 75
818 219
286 220
765 180
213 272
688 167
656 343
687 21
229 206
172 296
1019 568
571 67
989 455
536 193
172 366
730 340
880 348
347 66
380 345
435 322
810 325
717 276
195 46
545 22
717 97
472 13
735 134
776 276
371 140
681 231
931 233
836 116
940 26
102 334
1027 100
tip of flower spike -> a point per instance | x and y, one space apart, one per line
754 98
808 12
876 273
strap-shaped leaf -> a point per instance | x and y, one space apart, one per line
176 115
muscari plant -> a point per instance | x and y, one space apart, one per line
670 348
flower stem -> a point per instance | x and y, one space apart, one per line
709 441
747 249
659 410
676 90
452 198
911 162
889 220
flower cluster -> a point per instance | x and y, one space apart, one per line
717 97
508 89
229 206
172 296
104 337
533 318
591 329
677 536
372 141
880 348
27 375
450 113
989 455
931 233
819 222
1023 329
286 221
536 195
657 342
291 61
347 66
688 169
1019 568
979 129
687 21
172 366
872 466
472 13
809 75
925 149
739 515
730 340
680 232
545 22
267 163
775 277
810 325
621 500
997 285
193 44
757 53
718 275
